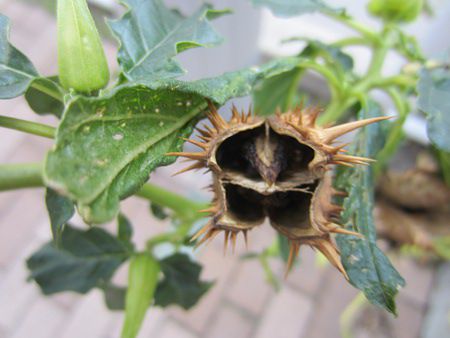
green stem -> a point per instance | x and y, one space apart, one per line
337 108
349 97
29 127
17 176
376 63
444 161
171 237
358 27
29 175
396 133
52 93
176 237
325 72
380 50
270 276
403 81
351 41
348 316
181 205
293 91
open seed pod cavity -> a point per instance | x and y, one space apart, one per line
277 168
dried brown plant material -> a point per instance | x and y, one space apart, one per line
401 227
415 189
276 168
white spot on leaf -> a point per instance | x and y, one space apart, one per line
118 137
353 259
100 162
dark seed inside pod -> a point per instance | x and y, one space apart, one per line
233 154
291 209
262 154
245 205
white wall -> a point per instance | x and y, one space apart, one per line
433 33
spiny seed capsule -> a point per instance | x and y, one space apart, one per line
276 168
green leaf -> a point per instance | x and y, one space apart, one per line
106 147
288 8
151 35
181 284
434 101
158 211
143 276
277 92
60 210
283 244
444 164
16 70
45 96
442 247
409 46
125 229
114 297
368 268
84 260
171 289
239 83
281 91
334 56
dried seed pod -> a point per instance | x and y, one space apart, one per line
275 168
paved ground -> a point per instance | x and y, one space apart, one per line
241 304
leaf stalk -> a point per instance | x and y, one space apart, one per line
28 127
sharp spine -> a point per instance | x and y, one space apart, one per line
332 133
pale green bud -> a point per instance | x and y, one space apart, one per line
396 10
81 59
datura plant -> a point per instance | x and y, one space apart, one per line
284 162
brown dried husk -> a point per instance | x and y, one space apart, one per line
277 168
413 205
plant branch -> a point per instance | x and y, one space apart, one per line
293 90
29 127
183 206
402 80
17 176
339 105
349 315
46 90
351 41
358 27
324 71
176 237
337 108
29 175
396 133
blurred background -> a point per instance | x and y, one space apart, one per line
310 302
